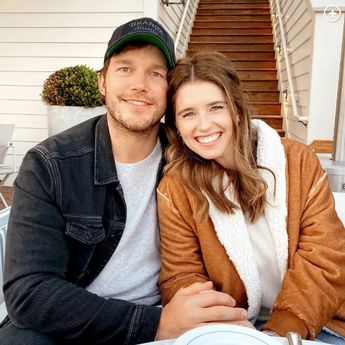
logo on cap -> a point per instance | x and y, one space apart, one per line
144 26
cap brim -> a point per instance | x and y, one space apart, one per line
142 37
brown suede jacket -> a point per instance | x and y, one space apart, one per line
312 294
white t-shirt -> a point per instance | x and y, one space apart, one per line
132 272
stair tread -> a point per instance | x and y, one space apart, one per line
236 34
230 39
249 45
234 1
229 5
235 17
262 91
223 21
242 30
270 103
277 117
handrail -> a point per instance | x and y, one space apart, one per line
168 2
302 119
180 28
179 31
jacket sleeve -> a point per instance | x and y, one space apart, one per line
37 294
313 288
181 258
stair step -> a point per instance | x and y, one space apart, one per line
267 108
249 55
253 64
232 31
231 12
225 16
254 85
233 24
275 121
225 47
230 39
263 96
281 132
257 75
233 1
227 6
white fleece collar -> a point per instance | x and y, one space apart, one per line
232 231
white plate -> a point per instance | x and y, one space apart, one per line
222 334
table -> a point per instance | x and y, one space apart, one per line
280 339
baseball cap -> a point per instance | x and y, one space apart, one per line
142 29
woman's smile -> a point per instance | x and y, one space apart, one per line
209 139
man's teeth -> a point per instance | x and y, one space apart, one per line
136 102
209 138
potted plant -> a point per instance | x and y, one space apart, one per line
72 96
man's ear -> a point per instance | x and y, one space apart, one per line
101 83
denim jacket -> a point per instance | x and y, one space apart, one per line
67 218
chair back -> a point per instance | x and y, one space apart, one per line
339 199
6 132
4 216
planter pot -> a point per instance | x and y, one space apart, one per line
64 117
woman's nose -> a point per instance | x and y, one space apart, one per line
204 122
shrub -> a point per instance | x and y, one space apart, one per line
76 86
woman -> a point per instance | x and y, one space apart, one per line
246 209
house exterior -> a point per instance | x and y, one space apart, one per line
38 37
314 52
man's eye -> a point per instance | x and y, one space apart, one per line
124 69
157 74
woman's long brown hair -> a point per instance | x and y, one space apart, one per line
206 176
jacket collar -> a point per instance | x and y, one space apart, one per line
231 229
104 164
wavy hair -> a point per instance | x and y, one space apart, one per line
203 176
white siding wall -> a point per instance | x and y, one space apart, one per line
38 37
314 46
170 16
298 24
324 88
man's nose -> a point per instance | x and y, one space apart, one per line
140 81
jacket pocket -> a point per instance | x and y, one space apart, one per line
87 230
84 234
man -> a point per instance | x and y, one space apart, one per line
82 257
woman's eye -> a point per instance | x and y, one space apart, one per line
188 114
217 107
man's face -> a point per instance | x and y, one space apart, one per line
135 88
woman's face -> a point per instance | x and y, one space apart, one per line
204 121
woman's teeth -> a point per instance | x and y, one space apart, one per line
208 139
